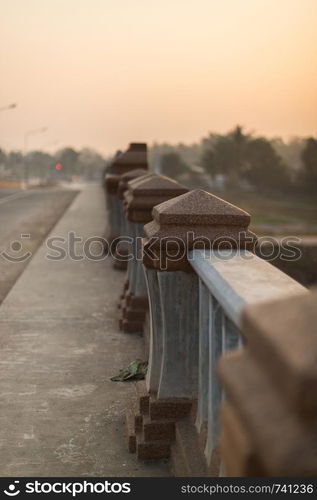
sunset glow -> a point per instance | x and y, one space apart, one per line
101 73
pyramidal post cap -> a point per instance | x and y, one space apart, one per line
147 191
156 184
137 146
196 219
111 182
132 174
198 207
127 197
134 157
128 176
135 182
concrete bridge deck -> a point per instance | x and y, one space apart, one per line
60 415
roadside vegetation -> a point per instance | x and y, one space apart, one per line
274 180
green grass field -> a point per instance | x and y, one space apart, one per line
276 215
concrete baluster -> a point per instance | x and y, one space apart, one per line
140 197
156 334
135 157
203 362
193 328
179 302
123 249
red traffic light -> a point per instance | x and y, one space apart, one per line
58 166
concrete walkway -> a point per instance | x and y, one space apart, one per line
60 415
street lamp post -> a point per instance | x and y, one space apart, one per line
25 149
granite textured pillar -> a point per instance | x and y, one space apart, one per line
123 248
196 219
268 418
141 195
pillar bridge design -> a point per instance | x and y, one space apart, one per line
122 248
141 195
134 158
232 341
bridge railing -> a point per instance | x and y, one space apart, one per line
197 272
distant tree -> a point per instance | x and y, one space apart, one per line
190 153
240 143
68 157
90 164
308 175
3 157
239 156
87 163
290 151
265 169
207 161
39 164
173 165
14 164
227 155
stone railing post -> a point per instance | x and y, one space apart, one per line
122 249
134 158
196 219
141 195
268 418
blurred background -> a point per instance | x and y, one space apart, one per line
224 93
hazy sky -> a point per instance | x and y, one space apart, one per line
102 73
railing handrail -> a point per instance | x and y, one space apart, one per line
199 311
241 278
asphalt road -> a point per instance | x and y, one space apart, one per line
4 193
34 213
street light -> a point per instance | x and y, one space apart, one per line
9 106
25 149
